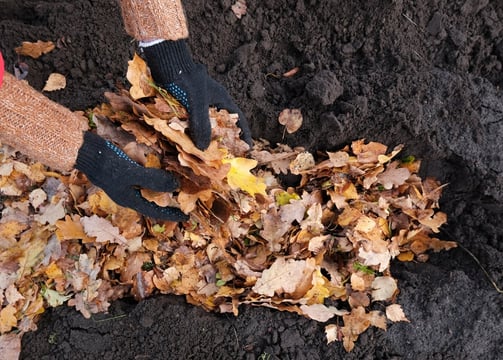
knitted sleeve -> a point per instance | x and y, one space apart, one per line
38 127
147 20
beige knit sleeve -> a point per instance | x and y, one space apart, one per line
147 20
37 126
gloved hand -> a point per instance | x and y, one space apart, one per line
111 169
173 69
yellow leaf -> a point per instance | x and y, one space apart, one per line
8 318
53 271
100 201
406 256
239 176
140 79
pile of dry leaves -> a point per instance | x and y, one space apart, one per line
321 248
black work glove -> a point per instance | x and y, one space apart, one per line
108 167
173 69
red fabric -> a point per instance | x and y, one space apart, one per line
1 69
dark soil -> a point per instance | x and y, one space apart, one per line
425 73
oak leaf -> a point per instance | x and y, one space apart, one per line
35 50
102 229
393 176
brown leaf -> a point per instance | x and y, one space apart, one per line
55 82
102 229
395 313
291 119
138 75
289 278
35 50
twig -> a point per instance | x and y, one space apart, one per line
498 289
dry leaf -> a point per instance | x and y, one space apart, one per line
55 82
239 8
102 229
286 277
35 50
8 318
395 313
393 176
140 79
240 177
320 312
303 162
384 287
10 345
291 119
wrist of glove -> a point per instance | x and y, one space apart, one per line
109 168
172 68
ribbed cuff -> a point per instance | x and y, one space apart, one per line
168 60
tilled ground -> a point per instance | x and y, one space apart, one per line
427 74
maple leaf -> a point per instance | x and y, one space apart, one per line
35 50
240 177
